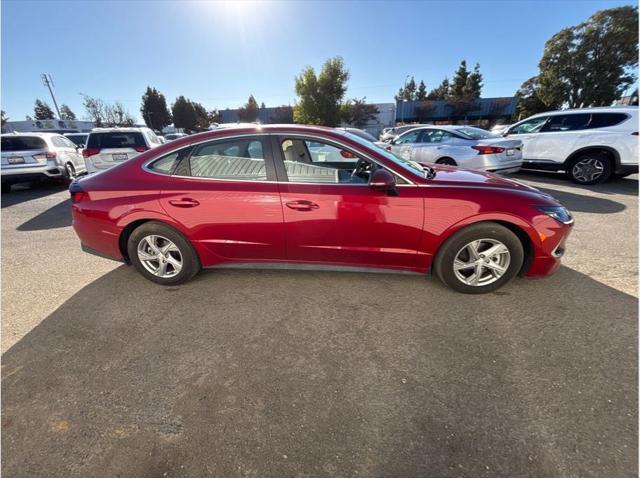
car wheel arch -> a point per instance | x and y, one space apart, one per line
608 150
522 232
135 224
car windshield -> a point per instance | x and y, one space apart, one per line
411 166
476 133
22 143
115 140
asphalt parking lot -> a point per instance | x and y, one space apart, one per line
279 373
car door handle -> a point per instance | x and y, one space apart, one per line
184 202
302 205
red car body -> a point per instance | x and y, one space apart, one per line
282 222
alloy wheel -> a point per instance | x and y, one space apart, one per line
160 256
481 262
587 170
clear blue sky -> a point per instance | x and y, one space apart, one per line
219 53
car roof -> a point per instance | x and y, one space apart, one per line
593 109
38 134
119 130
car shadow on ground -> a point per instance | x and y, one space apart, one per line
54 217
315 373
626 186
584 203
21 192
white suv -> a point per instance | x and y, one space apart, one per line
589 144
28 157
107 147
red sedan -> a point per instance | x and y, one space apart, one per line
303 195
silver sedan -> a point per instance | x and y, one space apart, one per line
464 146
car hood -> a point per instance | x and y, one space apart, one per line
453 176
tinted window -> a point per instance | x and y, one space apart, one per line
116 139
410 137
79 140
436 136
572 122
22 143
239 159
529 126
602 120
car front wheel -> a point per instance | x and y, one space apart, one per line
479 259
162 254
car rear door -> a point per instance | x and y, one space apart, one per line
558 135
224 193
332 216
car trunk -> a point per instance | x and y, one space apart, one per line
512 147
115 147
23 151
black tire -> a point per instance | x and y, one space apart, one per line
623 175
599 160
447 161
69 173
443 263
6 188
190 261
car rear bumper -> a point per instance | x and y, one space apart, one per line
98 236
21 174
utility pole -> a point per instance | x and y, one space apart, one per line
48 81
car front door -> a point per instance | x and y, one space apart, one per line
404 143
331 215
225 193
430 146
527 132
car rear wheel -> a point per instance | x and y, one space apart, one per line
6 188
447 161
590 168
162 254
69 172
479 259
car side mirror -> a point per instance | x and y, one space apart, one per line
382 180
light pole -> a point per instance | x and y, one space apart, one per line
404 100
48 81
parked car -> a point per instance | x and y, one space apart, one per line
28 157
589 144
162 139
80 139
390 133
361 133
241 196
463 146
174 136
107 147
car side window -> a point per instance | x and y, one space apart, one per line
529 126
58 141
239 159
166 164
410 137
436 136
602 120
310 161
569 122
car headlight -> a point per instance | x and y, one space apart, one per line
559 213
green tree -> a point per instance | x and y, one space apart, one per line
214 116
154 109
459 81
529 101
320 96
358 112
408 91
262 106
184 114
202 117
473 86
421 95
42 111
440 92
249 112
66 113
5 118
593 63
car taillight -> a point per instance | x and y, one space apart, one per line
141 149
87 152
488 149
77 193
45 156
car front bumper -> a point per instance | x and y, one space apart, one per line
549 248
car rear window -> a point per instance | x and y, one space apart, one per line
602 120
115 140
22 143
